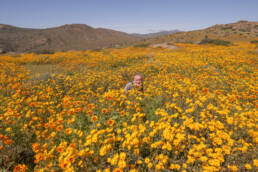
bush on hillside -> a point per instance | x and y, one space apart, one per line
144 45
207 40
254 41
44 51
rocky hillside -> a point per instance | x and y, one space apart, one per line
239 31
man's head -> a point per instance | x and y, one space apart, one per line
138 80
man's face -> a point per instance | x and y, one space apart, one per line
138 80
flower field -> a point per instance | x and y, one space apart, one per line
68 111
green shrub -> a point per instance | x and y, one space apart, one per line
44 51
215 42
141 45
254 41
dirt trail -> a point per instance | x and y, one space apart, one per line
165 45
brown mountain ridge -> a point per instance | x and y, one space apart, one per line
63 38
82 37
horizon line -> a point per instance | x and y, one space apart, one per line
110 27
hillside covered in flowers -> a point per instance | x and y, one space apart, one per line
68 110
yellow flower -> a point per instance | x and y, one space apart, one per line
8 129
255 162
114 159
107 170
52 134
248 166
122 156
139 162
174 166
133 170
232 167
203 158
150 165
147 160
121 164
103 151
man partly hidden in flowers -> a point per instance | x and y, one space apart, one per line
137 83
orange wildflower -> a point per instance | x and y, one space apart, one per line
68 131
104 111
94 118
110 122
117 170
59 128
89 112
35 147
91 106
20 168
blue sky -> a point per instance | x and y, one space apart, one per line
132 16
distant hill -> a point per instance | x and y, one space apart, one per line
155 34
82 37
63 38
239 31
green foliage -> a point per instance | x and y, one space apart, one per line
44 51
143 45
207 40
254 41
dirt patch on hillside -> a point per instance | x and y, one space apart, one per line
165 45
